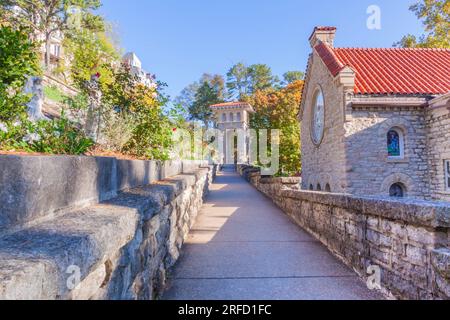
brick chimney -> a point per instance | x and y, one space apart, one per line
324 34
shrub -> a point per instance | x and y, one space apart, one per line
18 60
58 136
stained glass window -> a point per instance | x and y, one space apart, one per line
394 144
447 174
396 191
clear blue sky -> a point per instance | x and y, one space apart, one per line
179 40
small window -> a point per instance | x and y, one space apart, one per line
328 188
238 116
231 117
395 143
319 187
397 190
447 175
311 187
224 117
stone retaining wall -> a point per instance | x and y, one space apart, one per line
409 239
36 187
120 248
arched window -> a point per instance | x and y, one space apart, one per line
238 116
231 117
319 187
395 143
311 187
224 117
328 188
397 190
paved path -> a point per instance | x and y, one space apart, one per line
243 247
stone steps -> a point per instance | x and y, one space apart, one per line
88 247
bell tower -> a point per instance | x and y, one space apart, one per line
233 120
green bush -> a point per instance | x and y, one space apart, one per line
57 136
18 60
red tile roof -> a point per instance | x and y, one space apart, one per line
392 71
231 105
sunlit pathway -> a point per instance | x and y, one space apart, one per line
244 247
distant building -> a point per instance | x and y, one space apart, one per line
56 39
376 121
231 117
135 64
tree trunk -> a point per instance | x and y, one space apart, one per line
47 50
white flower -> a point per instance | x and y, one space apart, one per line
32 137
154 95
17 124
57 134
3 127
10 92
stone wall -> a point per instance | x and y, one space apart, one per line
408 240
120 248
438 122
324 164
369 169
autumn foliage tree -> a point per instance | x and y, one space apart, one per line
278 109
435 15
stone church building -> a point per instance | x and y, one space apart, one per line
376 121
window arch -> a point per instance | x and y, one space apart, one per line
328 188
319 187
395 143
397 190
311 187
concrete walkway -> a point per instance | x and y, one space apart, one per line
243 247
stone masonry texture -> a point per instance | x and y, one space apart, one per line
353 157
120 248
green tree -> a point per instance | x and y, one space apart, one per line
436 20
292 76
261 77
206 95
18 60
278 109
238 81
45 18
91 53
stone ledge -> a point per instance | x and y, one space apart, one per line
417 212
36 187
35 262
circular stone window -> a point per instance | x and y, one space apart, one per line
318 118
